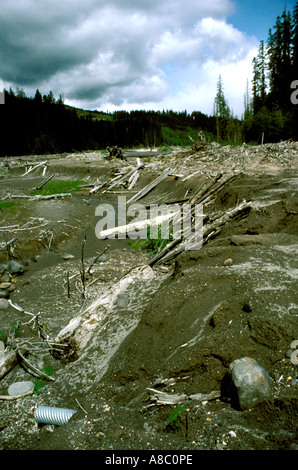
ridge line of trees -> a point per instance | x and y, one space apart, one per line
43 125
269 110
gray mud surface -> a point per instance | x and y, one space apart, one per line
177 333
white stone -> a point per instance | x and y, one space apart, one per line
18 388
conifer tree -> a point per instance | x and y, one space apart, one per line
295 44
280 58
221 110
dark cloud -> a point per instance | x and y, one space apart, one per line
100 52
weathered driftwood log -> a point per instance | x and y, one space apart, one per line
98 187
9 361
39 187
125 177
202 195
16 397
175 248
136 226
38 197
34 168
134 178
77 334
162 398
149 187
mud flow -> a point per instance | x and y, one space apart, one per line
140 347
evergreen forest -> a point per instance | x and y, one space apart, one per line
44 124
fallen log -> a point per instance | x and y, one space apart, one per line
162 398
125 177
134 178
77 334
198 195
9 361
34 168
211 230
139 225
38 188
149 187
16 397
38 197
98 187
216 188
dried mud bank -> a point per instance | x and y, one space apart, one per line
149 346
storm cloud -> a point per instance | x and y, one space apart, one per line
115 54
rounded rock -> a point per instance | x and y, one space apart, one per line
4 304
18 388
251 383
5 285
15 267
4 294
228 262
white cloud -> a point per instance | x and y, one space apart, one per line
128 55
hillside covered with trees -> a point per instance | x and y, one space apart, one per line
43 124
270 110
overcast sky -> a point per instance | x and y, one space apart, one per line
134 54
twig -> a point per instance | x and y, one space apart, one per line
20 309
83 274
95 260
37 371
95 280
68 285
16 397
81 406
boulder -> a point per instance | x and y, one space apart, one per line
247 383
15 268
99 259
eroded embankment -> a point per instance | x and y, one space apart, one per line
177 330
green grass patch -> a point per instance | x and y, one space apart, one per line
178 137
172 420
42 382
8 206
162 235
13 331
58 187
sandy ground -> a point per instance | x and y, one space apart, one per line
178 332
